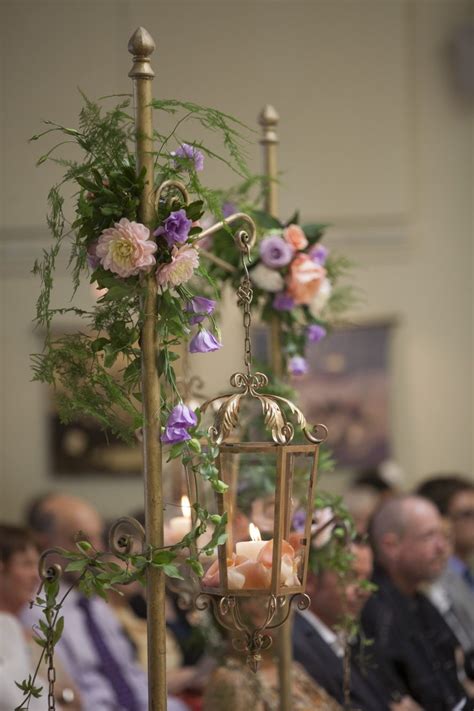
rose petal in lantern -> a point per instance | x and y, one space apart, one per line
212 577
296 540
235 578
289 569
257 576
266 554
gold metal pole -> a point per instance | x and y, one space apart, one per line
141 46
268 120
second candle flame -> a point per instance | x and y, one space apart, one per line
254 532
186 507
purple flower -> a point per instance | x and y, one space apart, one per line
200 307
275 252
190 153
92 259
173 435
283 301
319 254
315 333
229 208
297 365
204 342
299 520
181 416
175 228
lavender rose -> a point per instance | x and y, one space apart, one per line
315 333
181 416
173 435
275 252
190 153
283 302
297 365
319 254
200 307
204 342
175 228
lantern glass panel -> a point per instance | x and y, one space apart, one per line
268 502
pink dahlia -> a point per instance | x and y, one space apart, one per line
181 268
126 248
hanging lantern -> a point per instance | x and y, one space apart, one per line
259 573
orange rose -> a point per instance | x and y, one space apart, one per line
294 235
304 279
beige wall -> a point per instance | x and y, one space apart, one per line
373 138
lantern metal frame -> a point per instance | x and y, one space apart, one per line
228 603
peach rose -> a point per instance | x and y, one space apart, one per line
304 279
294 235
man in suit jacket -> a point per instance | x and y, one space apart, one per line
319 648
453 591
413 646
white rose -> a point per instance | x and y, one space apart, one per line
320 299
322 527
267 279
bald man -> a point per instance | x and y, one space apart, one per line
93 646
413 647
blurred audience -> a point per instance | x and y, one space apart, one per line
93 648
319 640
19 655
361 502
414 648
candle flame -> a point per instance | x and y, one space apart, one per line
254 532
186 507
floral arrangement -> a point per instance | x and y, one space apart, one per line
297 280
115 251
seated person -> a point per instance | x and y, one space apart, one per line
453 592
319 645
413 646
19 581
93 646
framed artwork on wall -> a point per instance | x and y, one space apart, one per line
347 388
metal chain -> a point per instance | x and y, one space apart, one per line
51 677
244 298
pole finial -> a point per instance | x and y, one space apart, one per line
141 45
268 120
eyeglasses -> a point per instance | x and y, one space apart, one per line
462 515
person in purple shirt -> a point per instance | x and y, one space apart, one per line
93 647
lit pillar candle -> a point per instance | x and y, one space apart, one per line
179 526
251 549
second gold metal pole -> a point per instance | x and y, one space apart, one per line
268 120
141 46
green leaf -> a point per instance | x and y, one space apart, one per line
196 566
313 230
265 220
195 210
58 630
172 571
195 445
76 565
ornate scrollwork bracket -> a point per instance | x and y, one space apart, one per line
253 639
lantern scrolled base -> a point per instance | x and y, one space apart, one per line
253 637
